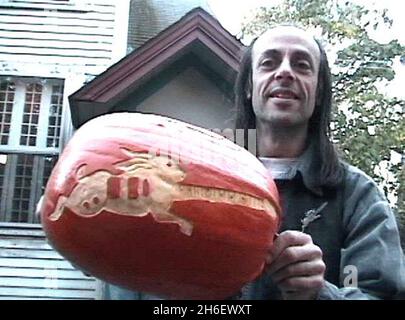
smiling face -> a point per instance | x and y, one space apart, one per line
285 64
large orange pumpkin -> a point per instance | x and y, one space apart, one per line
160 206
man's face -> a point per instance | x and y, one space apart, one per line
285 64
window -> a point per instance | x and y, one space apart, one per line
30 127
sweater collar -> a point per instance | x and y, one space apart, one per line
306 166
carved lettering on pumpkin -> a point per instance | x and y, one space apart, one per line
147 184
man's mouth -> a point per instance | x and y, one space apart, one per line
284 94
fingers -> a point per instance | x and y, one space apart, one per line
290 238
301 269
296 265
293 255
285 240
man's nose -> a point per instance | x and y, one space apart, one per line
284 71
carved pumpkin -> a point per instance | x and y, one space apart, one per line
160 206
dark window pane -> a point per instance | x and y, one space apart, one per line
33 141
37 98
55 116
23 187
31 113
6 103
18 181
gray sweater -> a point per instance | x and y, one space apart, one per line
356 230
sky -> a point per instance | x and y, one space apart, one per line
231 14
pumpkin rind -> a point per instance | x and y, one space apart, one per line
160 206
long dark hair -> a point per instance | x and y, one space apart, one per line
325 157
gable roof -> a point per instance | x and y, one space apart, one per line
197 32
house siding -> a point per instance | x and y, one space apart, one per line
73 41
39 39
31 269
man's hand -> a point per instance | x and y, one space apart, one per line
296 266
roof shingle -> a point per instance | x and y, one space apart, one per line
149 17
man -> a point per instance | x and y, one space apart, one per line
339 238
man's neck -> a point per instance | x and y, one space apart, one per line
280 142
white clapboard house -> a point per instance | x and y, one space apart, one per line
63 62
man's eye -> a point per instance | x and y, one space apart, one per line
268 63
303 65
